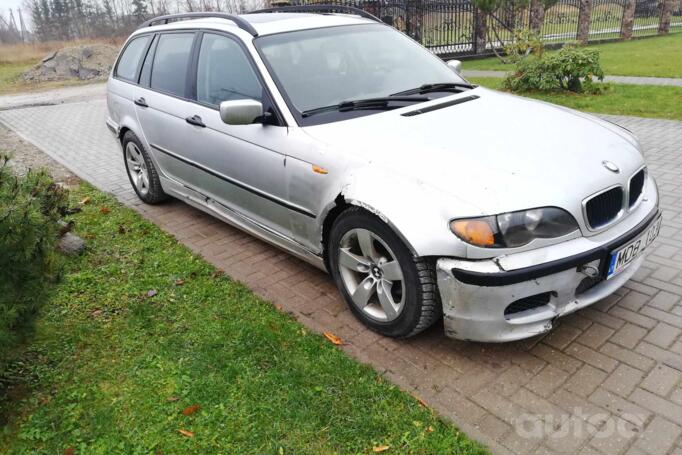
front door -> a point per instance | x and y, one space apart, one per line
241 165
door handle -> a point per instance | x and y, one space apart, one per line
195 120
141 102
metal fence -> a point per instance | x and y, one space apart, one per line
676 18
457 27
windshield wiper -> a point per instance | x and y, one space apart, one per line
437 87
369 104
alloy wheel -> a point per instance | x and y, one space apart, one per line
137 168
372 275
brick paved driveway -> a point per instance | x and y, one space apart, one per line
606 380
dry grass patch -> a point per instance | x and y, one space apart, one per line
15 59
32 52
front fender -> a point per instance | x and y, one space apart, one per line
418 212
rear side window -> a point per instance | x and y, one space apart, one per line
130 59
169 72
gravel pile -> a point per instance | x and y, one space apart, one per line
79 62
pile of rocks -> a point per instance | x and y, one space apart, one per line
79 62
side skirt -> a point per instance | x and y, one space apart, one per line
209 205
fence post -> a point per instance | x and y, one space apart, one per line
628 20
537 15
584 21
480 30
666 12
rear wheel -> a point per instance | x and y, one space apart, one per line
384 285
141 171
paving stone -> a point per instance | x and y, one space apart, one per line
632 317
661 380
561 336
595 336
658 405
628 336
594 358
663 335
556 358
615 436
659 436
547 380
493 426
627 356
621 407
633 301
510 381
623 380
665 300
585 380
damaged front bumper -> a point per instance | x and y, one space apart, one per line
484 301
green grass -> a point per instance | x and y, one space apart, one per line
620 99
110 368
10 72
659 56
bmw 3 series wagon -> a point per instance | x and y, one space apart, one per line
344 142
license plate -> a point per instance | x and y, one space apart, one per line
626 255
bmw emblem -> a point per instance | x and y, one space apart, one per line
611 166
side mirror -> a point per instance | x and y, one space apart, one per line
455 65
241 112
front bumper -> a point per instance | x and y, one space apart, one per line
475 294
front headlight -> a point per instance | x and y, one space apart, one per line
514 229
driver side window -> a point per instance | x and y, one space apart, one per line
224 72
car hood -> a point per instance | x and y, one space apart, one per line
497 152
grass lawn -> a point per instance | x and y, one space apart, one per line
144 348
638 100
660 56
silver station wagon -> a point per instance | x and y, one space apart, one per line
344 142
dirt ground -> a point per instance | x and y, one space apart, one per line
25 156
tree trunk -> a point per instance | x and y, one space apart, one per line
666 12
480 31
628 20
537 15
584 21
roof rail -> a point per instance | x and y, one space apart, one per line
319 9
240 22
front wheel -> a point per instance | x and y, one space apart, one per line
388 289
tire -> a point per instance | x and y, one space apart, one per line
141 171
402 301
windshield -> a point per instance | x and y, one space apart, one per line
327 66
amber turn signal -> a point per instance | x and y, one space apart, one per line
476 232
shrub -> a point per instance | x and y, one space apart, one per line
30 207
571 68
524 44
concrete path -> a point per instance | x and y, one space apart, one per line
606 380
57 96
631 80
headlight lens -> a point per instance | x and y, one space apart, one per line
515 229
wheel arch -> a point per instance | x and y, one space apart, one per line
122 132
417 212
340 205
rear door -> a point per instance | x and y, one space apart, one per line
163 102
122 87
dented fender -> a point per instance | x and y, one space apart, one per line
418 212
